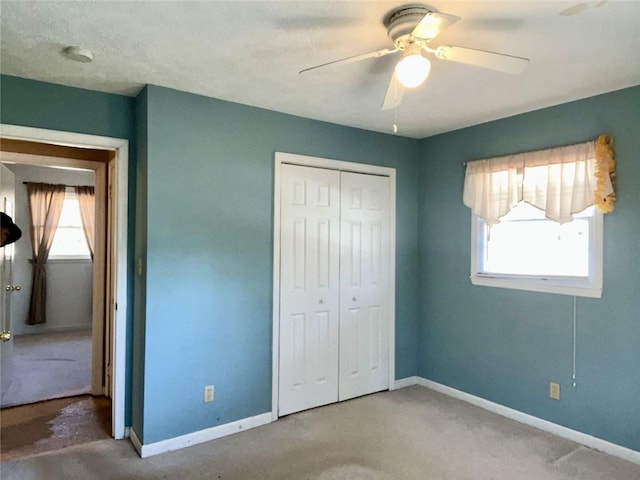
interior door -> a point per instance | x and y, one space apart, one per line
364 285
309 288
7 196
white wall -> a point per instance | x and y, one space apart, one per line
69 283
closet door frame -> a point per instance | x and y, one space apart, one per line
343 166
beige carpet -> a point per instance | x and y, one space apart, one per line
48 365
412 433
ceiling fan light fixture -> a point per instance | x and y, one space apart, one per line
413 69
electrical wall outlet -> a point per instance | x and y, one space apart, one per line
554 391
208 393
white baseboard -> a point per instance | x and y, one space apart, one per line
135 440
518 416
405 382
200 436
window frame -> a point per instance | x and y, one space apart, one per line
590 286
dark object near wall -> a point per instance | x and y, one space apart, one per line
14 231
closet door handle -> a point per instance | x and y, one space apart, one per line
321 300
354 299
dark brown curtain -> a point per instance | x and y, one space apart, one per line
45 206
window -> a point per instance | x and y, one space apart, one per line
527 251
537 218
69 241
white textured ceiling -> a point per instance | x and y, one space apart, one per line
251 52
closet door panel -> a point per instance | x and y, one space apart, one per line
309 288
364 297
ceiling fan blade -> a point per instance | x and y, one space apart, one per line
395 92
432 24
355 58
574 9
480 58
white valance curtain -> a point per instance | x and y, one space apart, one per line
559 181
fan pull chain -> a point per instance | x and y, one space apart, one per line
395 105
573 376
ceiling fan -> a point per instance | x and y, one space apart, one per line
411 29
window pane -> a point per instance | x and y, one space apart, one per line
537 246
69 240
70 216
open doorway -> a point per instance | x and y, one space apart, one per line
48 155
51 359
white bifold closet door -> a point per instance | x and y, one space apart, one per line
309 288
364 285
334 299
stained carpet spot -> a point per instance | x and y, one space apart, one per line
55 424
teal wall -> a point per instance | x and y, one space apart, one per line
210 168
507 345
44 105
202 307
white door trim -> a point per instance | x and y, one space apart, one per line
121 147
340 165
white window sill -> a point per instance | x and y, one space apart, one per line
58 260
559 286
